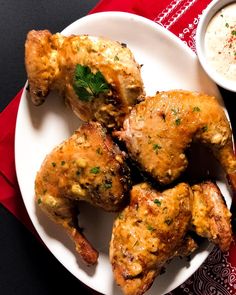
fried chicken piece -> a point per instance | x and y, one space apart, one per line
154 228
105 94
159 130
211 218
148 233
86 167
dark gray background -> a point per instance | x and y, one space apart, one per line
17 17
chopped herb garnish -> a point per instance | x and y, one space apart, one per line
175 112
99 151
39 201
204 128
233 32
77 172
63 163
149 227
177 122
157 202
107 185
156 147
196 109
88 85
221 15
168 221
227 25
54 164
116 58
120 216
95 170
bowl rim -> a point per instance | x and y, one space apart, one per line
207 15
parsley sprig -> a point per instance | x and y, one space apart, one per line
88 85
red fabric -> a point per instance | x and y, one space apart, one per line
217 274
10 195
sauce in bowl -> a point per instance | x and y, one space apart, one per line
220 42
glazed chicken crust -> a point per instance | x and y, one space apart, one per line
51 60
211 218
155 227
147 233
160 129
86 167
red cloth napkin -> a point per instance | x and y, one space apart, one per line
218 274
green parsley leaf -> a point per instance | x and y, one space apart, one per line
177 122
63 163
99 151
196 109
39 201
95 170
175 112
156 147
78 173
233 32
116 58
107 185
120 216
88 85
204 128
157 202
54 164
149 227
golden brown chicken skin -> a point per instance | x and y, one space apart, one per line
154 228
86 167
113 86
159 130
210 216
147 233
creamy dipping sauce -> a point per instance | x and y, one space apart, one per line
220 42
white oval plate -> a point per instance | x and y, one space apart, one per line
167 64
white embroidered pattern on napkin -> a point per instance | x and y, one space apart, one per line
174 12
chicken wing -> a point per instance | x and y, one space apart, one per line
86 167
148 233
159 130
154 228
210 216
99 78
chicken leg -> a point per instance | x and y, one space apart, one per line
99 78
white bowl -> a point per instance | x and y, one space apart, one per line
206 17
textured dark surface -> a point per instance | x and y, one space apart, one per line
27 267
16 19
